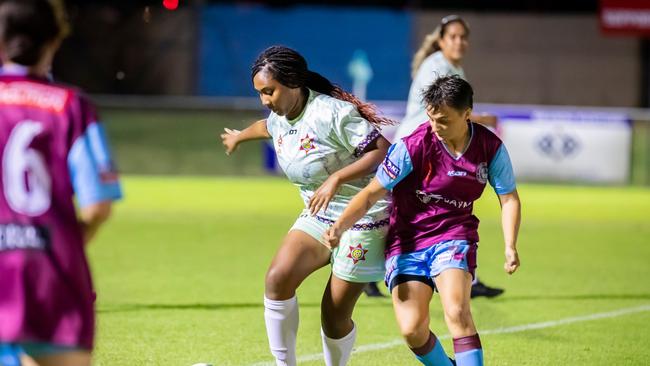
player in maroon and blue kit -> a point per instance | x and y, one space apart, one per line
435 175
52 149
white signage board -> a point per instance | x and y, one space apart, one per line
565 145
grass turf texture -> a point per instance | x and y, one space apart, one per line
180 268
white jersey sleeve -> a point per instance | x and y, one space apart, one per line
352 131
271 124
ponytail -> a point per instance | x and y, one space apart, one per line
368 111
428 46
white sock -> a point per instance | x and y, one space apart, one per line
337 351
281 318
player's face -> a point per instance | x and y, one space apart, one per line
277 97
447 122
454 43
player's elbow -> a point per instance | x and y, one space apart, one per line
368 204
96 213
510 199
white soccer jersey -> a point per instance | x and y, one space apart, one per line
328 135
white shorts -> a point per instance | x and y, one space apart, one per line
360 254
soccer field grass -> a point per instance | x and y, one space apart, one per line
179 272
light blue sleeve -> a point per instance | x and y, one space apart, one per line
91 167
500 173
395 167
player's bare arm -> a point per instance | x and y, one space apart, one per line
232 138
367 164
510 220
358 206
93 216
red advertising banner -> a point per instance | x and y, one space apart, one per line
630 17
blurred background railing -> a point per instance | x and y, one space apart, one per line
180 134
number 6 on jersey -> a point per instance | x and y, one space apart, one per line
27 183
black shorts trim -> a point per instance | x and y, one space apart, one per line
401 278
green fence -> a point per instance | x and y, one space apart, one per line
641 153
180 142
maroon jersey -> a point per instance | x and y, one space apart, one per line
52 147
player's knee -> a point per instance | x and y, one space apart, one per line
458 315
278 282
414 328
335 325
416 336
333 314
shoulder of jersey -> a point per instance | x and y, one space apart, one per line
419 132
74 92
330 103
272 116
416 138
435 58
479 129
431 58
71 89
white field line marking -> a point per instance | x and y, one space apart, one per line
513 329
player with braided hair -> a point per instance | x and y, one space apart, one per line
329 145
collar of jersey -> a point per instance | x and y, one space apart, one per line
456 70
312 95
20 71
14 70
471 137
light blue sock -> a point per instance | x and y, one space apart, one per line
435 357
468 350
470 358
9 354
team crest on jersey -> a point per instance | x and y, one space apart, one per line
307 144
482 172
357 253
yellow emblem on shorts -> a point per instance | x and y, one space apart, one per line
357 253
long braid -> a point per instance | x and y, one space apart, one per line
290 69
368 111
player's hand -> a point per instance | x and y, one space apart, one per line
230 140
332 236
323 195
512 261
